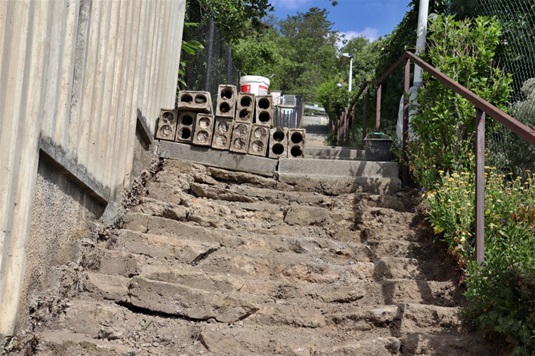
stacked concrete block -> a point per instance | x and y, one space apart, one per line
264 110
204 129
196 101
222 133
241 133
245 107
278 143
258 143
296 143
185 126
226 101
167 124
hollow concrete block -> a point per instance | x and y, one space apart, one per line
296 143
185 126
167 124
239 141
245 107
204 129
226 100
196 101
264 110
278 142
258 143
222 133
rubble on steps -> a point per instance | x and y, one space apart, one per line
214 262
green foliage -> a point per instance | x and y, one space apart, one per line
234 18
333 98
501 292
517 154
402 39
444 122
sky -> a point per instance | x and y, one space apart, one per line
368 18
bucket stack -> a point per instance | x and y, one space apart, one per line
241 123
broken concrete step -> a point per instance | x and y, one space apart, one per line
365 318
274 289
427 318
243 193
408 268
106 320
104 286
264 340
404 317
286 239
440 293
451 344
381 346
118 262
162 247
294 269
396 248
187 302
64 343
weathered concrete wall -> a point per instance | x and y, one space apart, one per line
74 77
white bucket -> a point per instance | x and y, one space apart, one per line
254 84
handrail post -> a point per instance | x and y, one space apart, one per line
405 129
480 185
378 110
364 114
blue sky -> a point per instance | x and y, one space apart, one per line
368 18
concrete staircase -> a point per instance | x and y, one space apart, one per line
218 262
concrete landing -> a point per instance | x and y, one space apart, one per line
217 158
336 176
333 152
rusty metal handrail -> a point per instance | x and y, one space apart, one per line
482 107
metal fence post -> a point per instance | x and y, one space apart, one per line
364 114
378 110
480 185
209 54
405 129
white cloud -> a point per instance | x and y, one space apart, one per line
289 4
371 33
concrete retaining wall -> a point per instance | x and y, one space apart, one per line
76 77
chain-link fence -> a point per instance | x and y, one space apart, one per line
516 55
210 65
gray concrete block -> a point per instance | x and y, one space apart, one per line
245 107
296 143
167 124
264 110
226 100
258 143
241 133
197 101
331 184
278 143
216 158
333 152
222 133
184 130
339 168
203 129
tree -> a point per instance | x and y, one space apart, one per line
234 18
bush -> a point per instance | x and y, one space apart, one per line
501 292
444 122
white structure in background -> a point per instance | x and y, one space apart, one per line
423 12
350 56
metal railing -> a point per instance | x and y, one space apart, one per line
482 106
